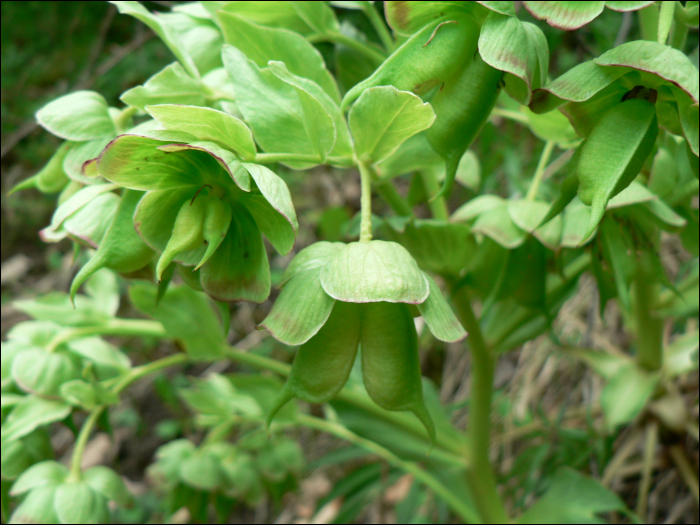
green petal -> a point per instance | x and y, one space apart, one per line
79 503
390 360
301 309
323 364
374 271
439 316
239 270
314 256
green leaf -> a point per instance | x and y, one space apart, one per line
50 473
374 271
664 173
627 6
186 315
199 37
317 15
681 356
80 393
52 177
405 18
497 224
607 365
202 471
206 124
439 316
575 223
627 393
216 396
270 107
272 14
331 136
383 118
164 31
437 246
415 154
572 498
80 153
37 507
57 307
40 372
20 455
663 61
90 223
528 215
73 204
275 214
301 309
565 15
578 84
82 115
552 126
10 350
239 269
171 85
518 48
617 245
688 114
77 502
475 207
105 481
263 44
31 414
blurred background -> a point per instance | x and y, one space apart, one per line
53 48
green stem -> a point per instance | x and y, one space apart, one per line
141 371
124 120
393 198
679 31
480 475
666 12
438 207
124 327
379 26
366 203
649 325
511 115
81 443
539 171
271 158
421 475
649 22
371 52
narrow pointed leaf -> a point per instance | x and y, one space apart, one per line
632 384
439 316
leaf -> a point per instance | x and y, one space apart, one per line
186 315
518 48
73 204
263 44
105 481
439 316
405 18
565 15
90 223
497 224
301 309
575 223
202 471
272 14
40 372
475 207
627 6
383 118
663 61
77 502
317 15
528 215
57 307
171 85
627 393
374 271
207 124
199 37
552 126
314 256
164 31
49 473
617 249
681 356
216 396
80 153
79 393
37 507
415 154
607 365
572 498
269 106
31 414
20 455
82 115
576 85
275 216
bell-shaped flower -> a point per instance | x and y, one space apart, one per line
338 297
204 206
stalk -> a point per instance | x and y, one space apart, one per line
480 475
539 171
366 203
79 449
649 22
371 52
123 327
649 325
437 206
379 26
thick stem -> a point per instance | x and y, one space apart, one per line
480 475
649 22
679 31
391 196
648 457
666 12
438 207
371 52
379 26
649 326
421 475
366 203
123 327
539 171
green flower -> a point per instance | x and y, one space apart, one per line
338 297
204 207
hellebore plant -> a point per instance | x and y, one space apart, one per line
192 175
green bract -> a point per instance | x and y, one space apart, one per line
337 297
203 206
